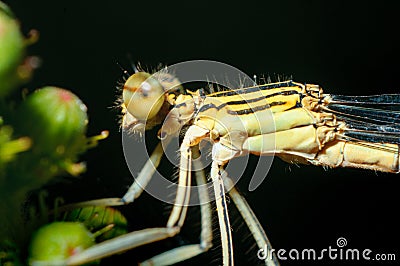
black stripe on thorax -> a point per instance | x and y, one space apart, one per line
243 111
256 88
244 101
255 109
205 107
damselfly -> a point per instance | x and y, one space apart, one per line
296 122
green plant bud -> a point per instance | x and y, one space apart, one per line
58 241
56 120
12 51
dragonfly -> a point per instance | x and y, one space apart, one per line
296 122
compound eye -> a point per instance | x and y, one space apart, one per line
143 95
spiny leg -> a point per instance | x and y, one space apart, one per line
120 244
134 191
192 137
145 175
179 210
145 236
205 207
251 221
223 217
186 252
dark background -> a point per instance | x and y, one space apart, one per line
348 47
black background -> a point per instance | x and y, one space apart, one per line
348 47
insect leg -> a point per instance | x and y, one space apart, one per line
192 137
186 252
145 175
145 236
251 221
223 217
134 191
120 244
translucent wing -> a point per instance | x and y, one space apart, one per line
373 118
